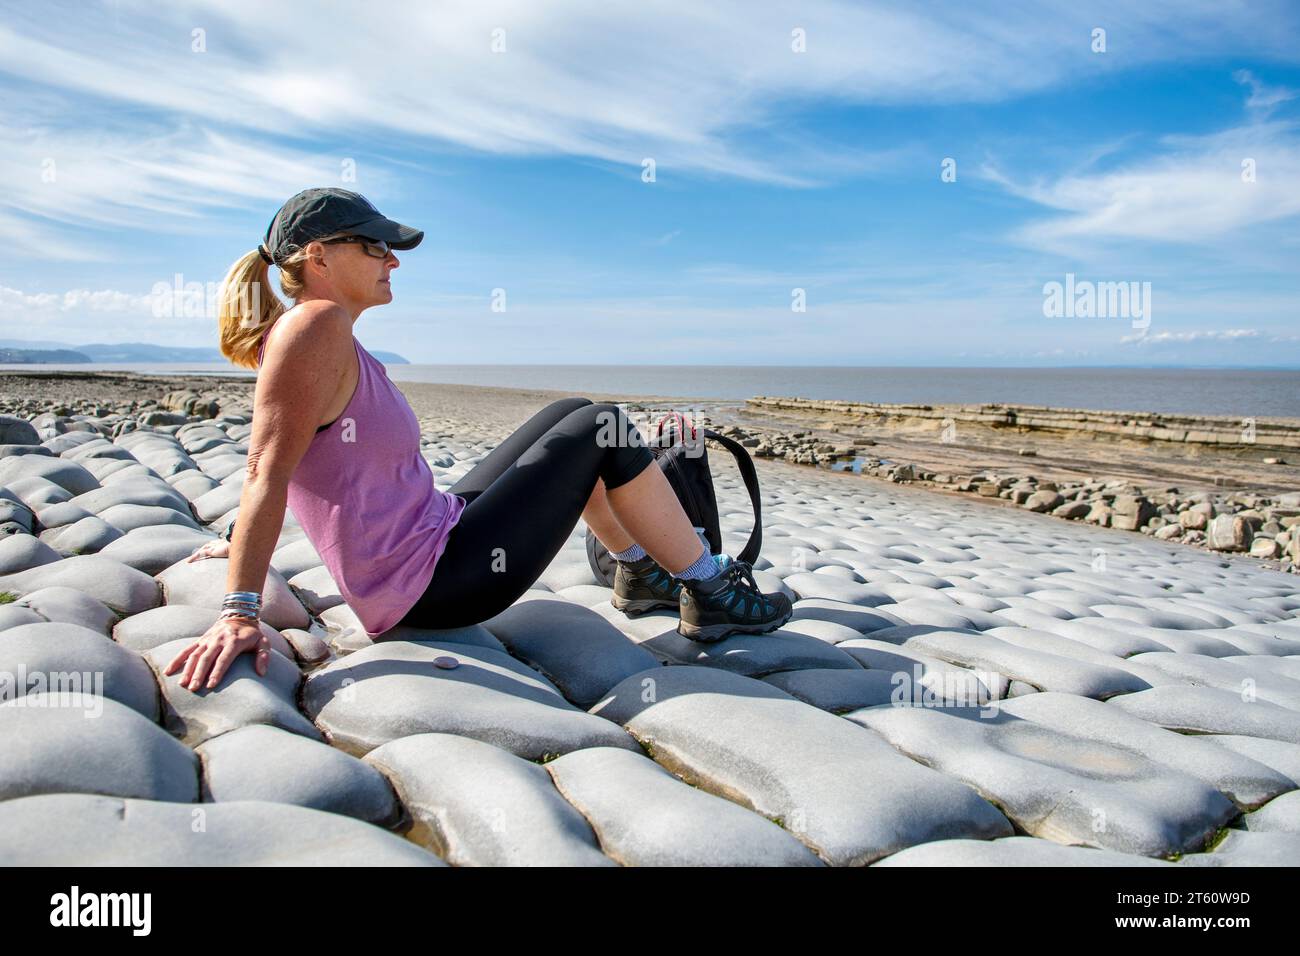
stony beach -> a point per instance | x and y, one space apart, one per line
972 676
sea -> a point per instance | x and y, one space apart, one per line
1248 393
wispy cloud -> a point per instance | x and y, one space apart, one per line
1195 192
1263 99
85 185
1205 335
1185 189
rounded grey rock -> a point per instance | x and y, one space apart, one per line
203 584
393 689
575 648
153 549
259 762
129 516
22 552
68 475
133 490
1014 851
123 589
644 816
17 431
61 514
54 656
478 805
87 536
69 606
243 697
173 622
84 743
83 830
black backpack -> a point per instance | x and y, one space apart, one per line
682 455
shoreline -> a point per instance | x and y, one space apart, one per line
1118 477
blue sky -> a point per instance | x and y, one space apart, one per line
134 153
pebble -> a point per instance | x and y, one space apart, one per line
309 648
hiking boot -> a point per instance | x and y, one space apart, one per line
645 585
641 586
730 603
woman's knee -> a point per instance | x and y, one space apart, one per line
572 403
559 409
612 427
628 455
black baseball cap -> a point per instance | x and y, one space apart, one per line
323 211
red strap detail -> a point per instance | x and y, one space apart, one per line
683 423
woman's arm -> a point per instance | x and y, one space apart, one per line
299 380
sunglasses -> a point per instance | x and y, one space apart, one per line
378 248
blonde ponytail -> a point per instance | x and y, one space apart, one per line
248 307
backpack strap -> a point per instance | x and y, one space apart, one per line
682 424
747 473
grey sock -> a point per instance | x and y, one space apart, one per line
634 553
705 567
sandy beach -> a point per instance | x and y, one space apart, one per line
966 680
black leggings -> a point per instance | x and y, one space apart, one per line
524 499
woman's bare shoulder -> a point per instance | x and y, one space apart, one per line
316 328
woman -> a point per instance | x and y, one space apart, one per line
334 439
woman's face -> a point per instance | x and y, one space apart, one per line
346 273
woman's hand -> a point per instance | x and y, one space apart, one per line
211 655
216 548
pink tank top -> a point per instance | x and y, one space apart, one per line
366 499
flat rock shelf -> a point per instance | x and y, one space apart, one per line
959 685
